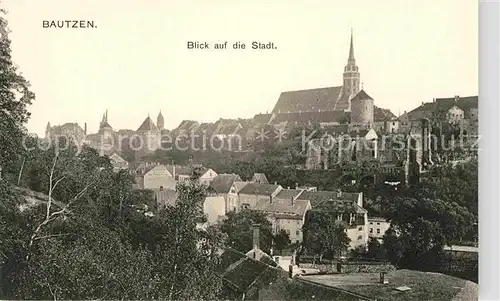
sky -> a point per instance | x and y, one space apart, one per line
136 62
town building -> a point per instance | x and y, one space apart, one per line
286 212
347 207
377 227
454 110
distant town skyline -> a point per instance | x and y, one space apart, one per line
136 61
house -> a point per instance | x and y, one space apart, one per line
347 207
377 227
214 207
260 178
222 185
233 201
152 176
244 275
252 193
118 162
452 109
385 121
207 176
286 212
181 174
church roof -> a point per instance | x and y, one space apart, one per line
312 117
324 99
362 95
148 125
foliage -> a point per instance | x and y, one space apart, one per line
100 247
238 226
281 240
15 97
324 234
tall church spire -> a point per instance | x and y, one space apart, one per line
351 49
351 73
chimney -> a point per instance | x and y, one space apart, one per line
85 129
256 236
422 103
288 187
275 183
173 170
433 100
457 98
296 185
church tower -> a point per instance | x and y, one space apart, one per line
351 74
47 131
160 121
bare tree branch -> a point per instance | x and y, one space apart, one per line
53 235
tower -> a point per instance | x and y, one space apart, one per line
351 74
362 110
47 131
160 121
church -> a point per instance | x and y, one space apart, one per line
346 104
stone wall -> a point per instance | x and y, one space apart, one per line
354 267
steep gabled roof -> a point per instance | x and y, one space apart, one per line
380 114
148 126
238 185
362 95
223 182
260 178
324 99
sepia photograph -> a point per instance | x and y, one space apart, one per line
239 150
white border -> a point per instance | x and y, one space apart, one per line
489 52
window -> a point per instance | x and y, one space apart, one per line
371 223
378 231
297 232
371 230
360 237
378 224
360 229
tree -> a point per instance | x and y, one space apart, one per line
324 234
238 226
376 250
15 97
424 227
281 240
